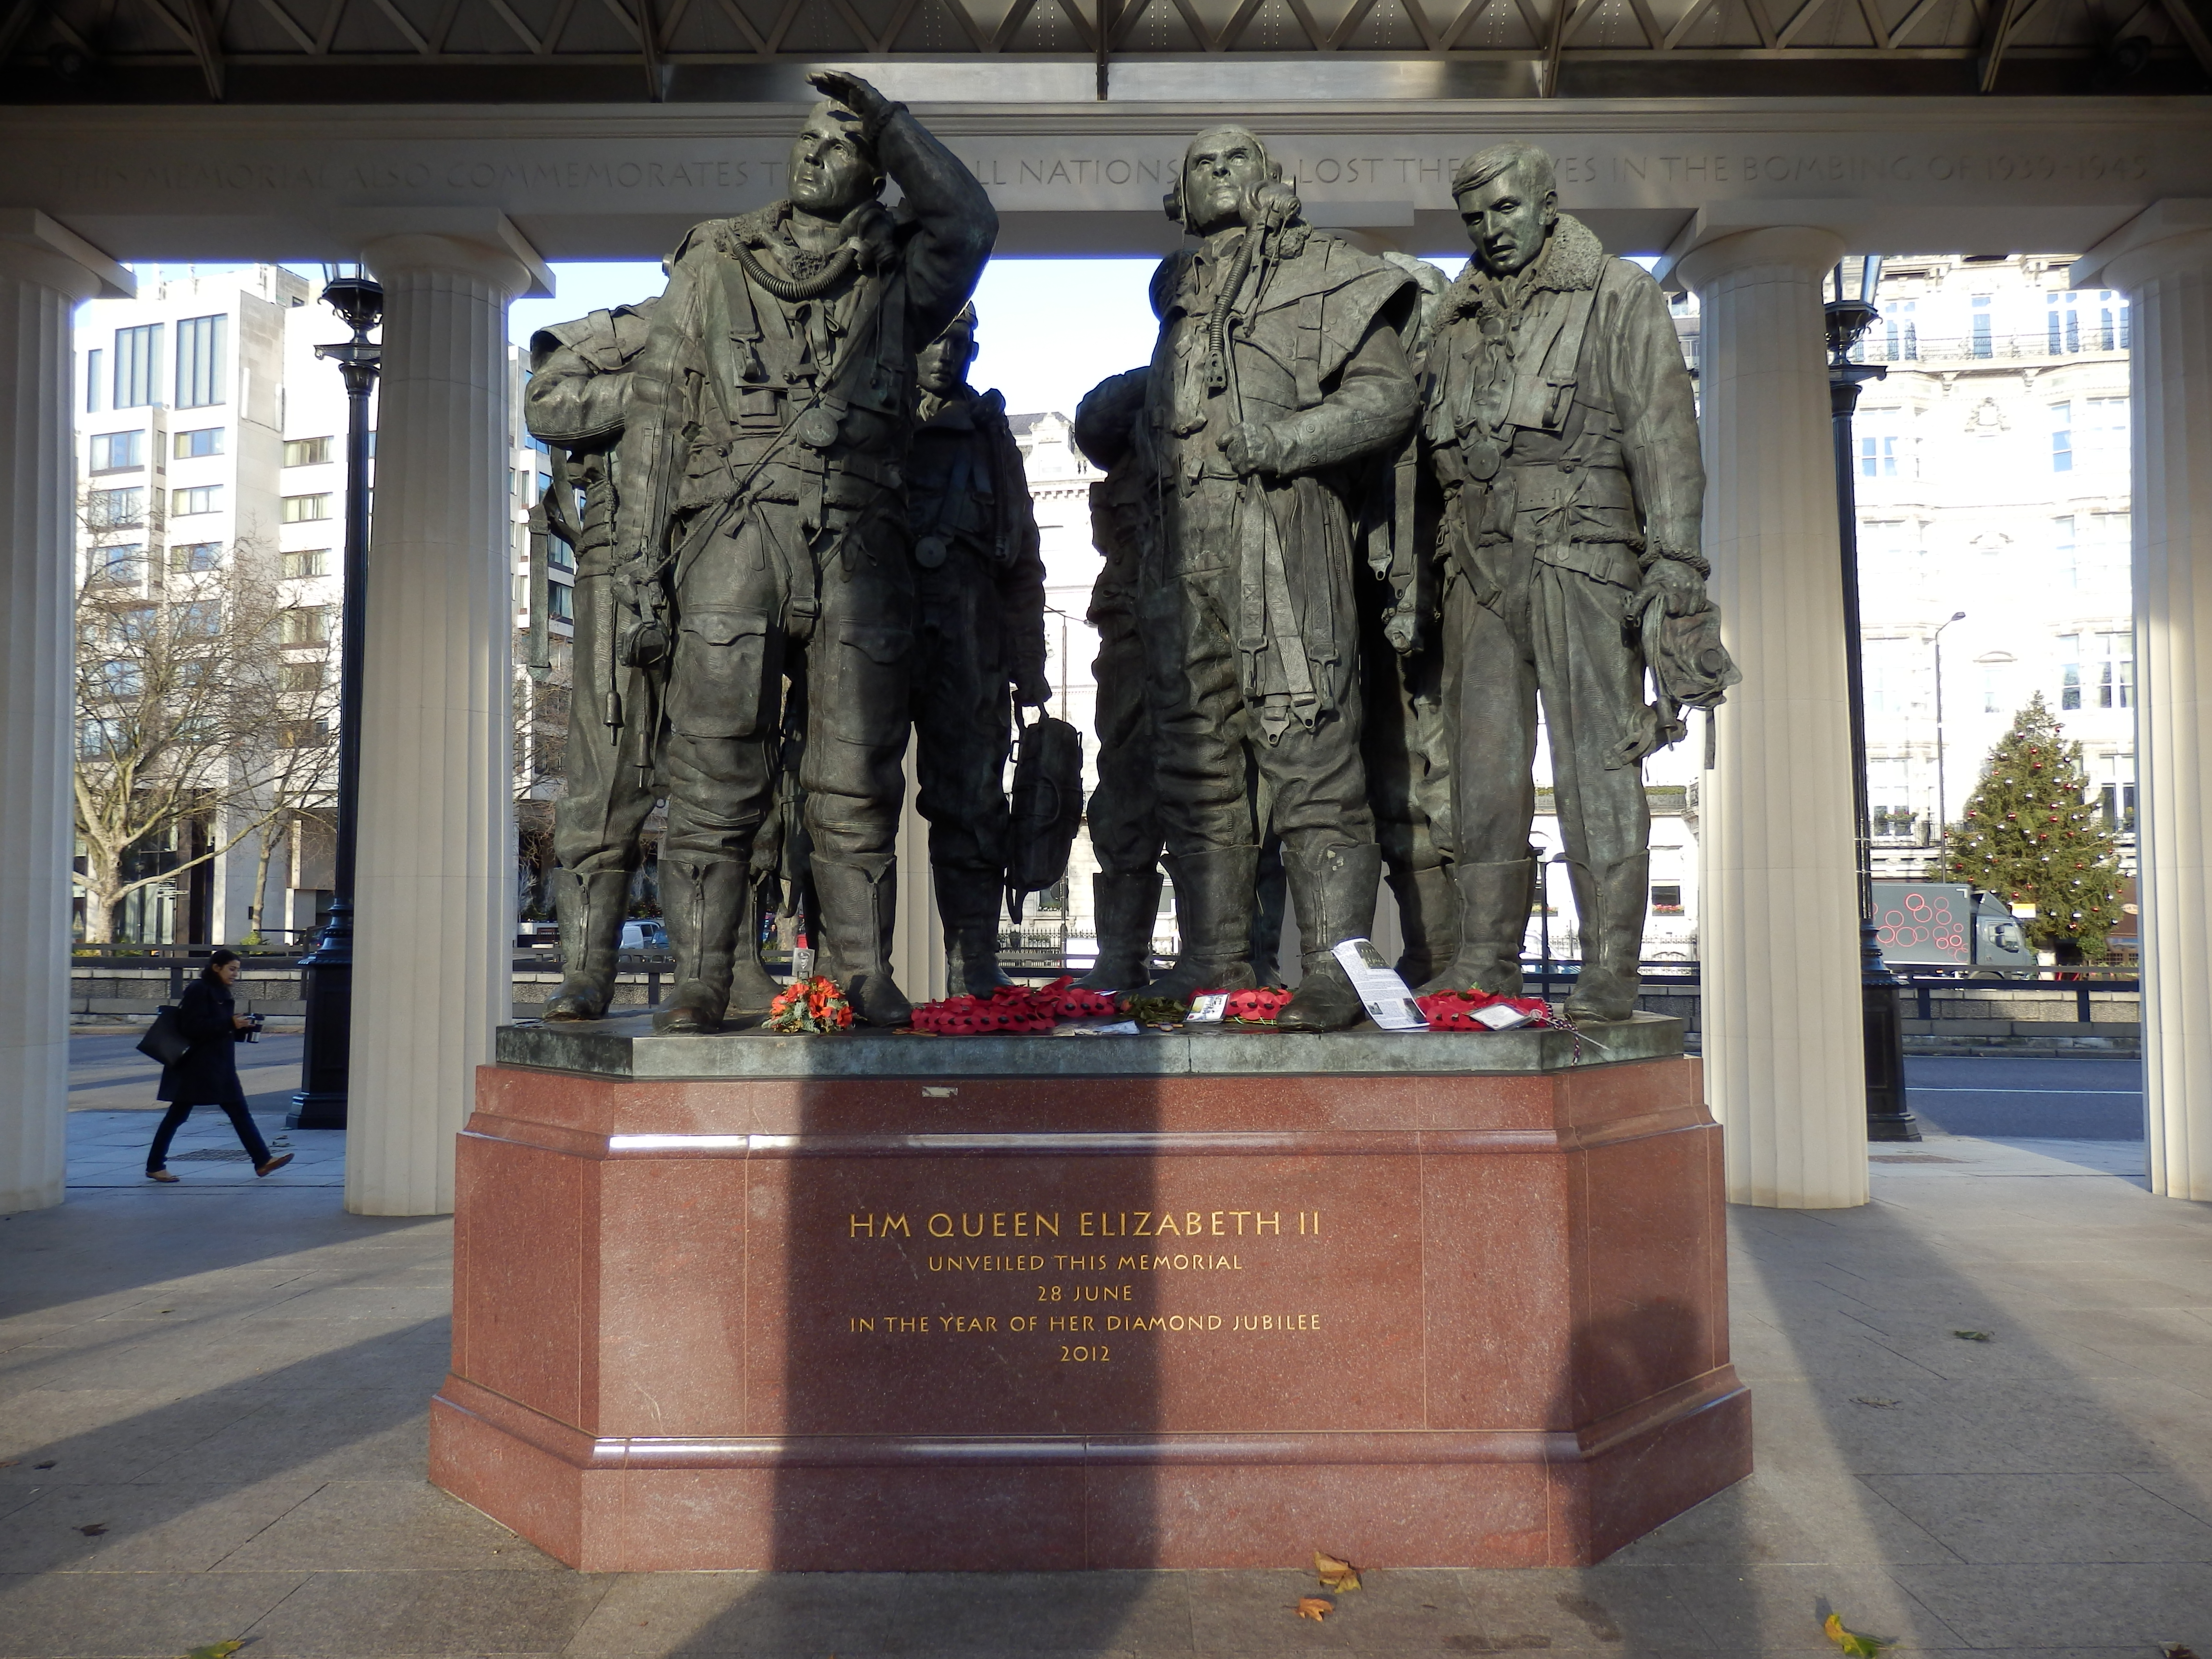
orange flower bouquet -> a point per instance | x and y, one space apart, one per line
810 1007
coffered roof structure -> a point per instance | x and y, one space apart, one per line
601 51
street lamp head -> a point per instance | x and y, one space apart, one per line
1957 615
1850 311
358 299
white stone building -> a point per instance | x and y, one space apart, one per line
1992 478
204 425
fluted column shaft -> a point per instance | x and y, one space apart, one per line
434 889
2169 284
38 291
1784 1052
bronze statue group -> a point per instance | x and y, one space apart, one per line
1358 523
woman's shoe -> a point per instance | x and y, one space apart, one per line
159 1175
273 1164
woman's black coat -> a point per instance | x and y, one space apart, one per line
207 1074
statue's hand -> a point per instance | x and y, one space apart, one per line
1252 449
1403 629
1678 584
1031 689
855 95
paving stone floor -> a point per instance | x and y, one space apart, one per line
211 1425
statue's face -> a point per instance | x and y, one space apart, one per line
831 173
1222 167
1507 221
943 363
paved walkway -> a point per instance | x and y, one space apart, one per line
211 1425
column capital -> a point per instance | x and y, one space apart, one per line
2169 236
38 249
1809 250
482 245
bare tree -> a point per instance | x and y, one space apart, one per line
200 696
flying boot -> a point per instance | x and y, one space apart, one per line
967 904
752 988
1612 899
1271 896
858 911
1213 910
1428 919
590 909
1493 920
702 906
1128 906
1334 891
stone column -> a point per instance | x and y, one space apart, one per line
436 887
1779 928
44 272
2163 262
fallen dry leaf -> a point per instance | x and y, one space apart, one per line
215 1650
1872 1399
95 1529
1854 1645
1972 1336
1315 1608
2177 1651
1335 1575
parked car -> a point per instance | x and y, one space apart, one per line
644 934
1947 924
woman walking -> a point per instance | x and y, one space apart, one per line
206 1074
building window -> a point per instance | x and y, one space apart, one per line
191 558
1666 898
559 554
1983 342
1993 678
121 680
303 734
98 737
2060 323
305 624
198 444
2103 437
1901 331
1889 796
2061 437
301 509
560 602
2069 670
200 343
200 498
95 381
118 451
2119 802
1878 457
307 451
2116 669
138 366
303 677
200 619
314 562
2065 553
125 566
115 509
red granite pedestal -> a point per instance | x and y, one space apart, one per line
1209 1312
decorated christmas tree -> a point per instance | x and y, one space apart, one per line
2029 837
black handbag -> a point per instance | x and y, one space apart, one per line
165 1040
1047 809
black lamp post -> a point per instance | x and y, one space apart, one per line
1942 805
1848 317
327 970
